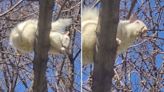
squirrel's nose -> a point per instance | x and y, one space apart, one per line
144 29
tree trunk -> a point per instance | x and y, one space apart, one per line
42 44
105 50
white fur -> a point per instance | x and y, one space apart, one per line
127 32
23 35
60 25
89 14
89 21
59 44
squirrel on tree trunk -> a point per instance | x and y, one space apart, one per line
127 33
23 35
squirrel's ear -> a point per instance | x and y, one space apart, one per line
133 18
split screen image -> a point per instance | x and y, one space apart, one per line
80 45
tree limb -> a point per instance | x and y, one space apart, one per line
42 44
105 51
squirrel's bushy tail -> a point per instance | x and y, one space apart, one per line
60 24
89 14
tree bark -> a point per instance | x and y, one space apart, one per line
42 44
105 50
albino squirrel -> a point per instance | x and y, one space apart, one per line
127 32
23 35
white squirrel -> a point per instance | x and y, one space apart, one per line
59 42
23 35
127 32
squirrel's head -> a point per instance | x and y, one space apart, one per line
137 27
65 40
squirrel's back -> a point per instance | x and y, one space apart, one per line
23 34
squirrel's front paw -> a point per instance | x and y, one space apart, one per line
62 49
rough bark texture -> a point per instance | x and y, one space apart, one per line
106 46
42 44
